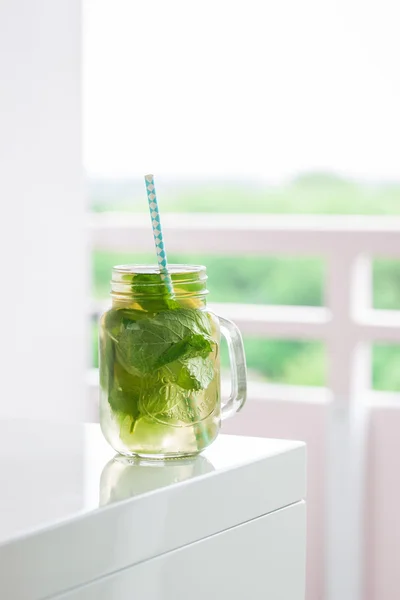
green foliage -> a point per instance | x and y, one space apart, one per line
386 367
386 277
311 193
283 361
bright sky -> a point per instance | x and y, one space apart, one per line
242 88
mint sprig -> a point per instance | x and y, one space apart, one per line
151 294
153 342
157 360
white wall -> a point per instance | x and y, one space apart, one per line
42 240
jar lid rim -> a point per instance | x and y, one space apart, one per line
152 269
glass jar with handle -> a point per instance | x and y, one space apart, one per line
160 390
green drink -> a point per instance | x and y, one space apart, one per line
159 364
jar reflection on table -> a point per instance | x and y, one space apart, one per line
124 477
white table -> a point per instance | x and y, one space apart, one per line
76 525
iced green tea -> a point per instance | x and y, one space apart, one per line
159 364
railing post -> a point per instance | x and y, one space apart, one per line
348 287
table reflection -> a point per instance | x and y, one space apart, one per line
124 477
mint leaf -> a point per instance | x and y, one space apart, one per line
157 361
125 394
141 344
113 323
107 357
190 346
158 398
153 342
186 319
124 402
108 334
150 394
195 373
128 382
151 293
130 314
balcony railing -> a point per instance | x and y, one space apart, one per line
347 323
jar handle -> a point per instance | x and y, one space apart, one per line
238 368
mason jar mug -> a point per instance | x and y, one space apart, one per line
160 389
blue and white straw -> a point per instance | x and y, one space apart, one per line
157 233
199 429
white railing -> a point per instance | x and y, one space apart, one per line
347 324
346 243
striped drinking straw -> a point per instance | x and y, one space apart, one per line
157 233
199 429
